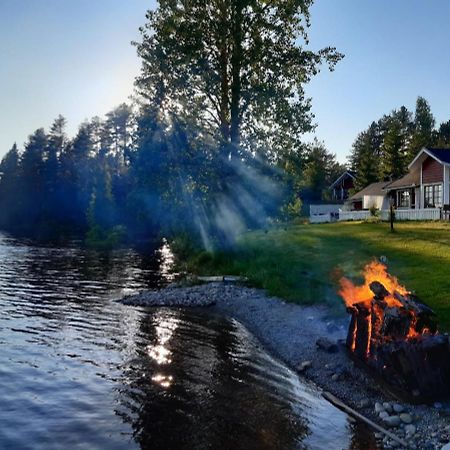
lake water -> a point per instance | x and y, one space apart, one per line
80 371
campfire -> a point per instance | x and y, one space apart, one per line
395 335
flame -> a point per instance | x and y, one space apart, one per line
369 328
374 271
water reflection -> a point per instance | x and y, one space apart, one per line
218 389
164 328
79 370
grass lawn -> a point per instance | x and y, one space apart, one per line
302 263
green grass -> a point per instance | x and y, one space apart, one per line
302 263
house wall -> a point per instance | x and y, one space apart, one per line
348 183
432 171
378 200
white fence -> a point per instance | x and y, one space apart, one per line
315 210
322 218
416 214
353 215
400 214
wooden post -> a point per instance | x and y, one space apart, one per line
392 214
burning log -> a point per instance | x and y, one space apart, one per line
395 335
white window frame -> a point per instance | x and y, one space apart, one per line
399 192
433 185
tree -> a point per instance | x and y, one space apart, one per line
233 68
32 184
53 203
442 135
320 170
393 159
365 156
422 128
76 164
9 186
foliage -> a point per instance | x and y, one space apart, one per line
374 211
365 156
293 209
234 69
423 128
320 170
384 150
211 147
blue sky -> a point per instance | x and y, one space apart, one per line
73 57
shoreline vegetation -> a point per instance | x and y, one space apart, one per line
309 340
303 263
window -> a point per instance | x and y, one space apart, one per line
403 199
433 196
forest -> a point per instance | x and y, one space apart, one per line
210 146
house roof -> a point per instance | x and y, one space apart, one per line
442 155
349 173
411 179
373 189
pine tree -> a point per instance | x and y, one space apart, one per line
442 135
423 128
393 160
32 181
10 203
365 156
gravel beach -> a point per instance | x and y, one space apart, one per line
310 341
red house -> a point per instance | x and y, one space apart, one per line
340 188
427 184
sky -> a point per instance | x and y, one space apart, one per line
74 57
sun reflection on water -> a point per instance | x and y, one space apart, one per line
167 260
165 325
163 380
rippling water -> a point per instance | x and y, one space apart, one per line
80 371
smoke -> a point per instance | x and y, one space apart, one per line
249 197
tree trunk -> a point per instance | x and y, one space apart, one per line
224 113
236 65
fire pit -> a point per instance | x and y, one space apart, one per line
395 336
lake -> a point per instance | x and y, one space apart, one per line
79 370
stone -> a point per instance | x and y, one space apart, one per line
438 405
387 407
392 421
327 345
304 365
398 408
378 407
383 415
335 377
406 418
410 429
446 447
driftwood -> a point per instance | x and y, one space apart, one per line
342 406
400 344
220 278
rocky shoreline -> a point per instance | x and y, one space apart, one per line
309 341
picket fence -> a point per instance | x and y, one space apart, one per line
400 214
